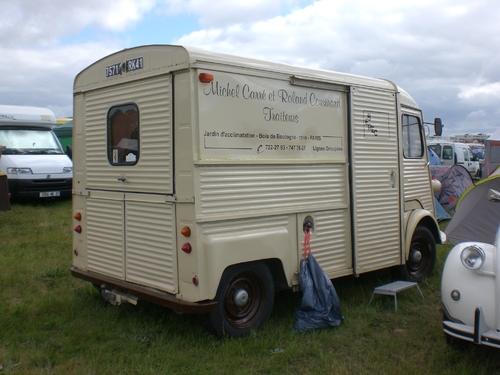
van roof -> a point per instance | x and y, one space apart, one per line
161 59
25 115
446 142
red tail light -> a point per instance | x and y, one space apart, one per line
186 248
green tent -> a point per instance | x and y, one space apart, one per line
476 218
65 134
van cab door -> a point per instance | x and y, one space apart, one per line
469 163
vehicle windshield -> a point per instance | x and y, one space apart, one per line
29 141
436 149
478 153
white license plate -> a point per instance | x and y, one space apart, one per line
46 194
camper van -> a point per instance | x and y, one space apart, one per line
452 153
31 156
197 175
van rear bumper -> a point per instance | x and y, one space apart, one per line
146 294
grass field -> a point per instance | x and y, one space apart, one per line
52 323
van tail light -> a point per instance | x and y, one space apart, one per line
77 216
78 229
206 77
186 231
187 248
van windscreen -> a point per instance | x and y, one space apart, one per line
29 141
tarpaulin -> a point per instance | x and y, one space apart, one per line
320 307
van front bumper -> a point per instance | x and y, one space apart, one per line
146 294
479 334
32 188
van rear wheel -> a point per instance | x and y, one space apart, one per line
244 298
422 257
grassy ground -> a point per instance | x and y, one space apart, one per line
51 323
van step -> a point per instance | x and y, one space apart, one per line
393 288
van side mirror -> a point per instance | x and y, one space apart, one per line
438 127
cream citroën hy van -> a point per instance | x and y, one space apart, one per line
195 172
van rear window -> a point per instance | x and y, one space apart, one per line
123 134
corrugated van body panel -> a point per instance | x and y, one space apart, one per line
375 180
227 242
150 237
256 190
331 242
416 186
105 237
153 171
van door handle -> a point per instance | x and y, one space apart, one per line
122 178
393 176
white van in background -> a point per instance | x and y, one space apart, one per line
452 153
31 155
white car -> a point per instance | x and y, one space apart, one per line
470 291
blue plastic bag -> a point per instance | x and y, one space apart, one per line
320 307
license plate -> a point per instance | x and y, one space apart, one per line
129 66
46 194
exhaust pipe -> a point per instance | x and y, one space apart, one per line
117 298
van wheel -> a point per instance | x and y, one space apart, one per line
244 299
422 258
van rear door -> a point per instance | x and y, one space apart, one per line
128 172
129 138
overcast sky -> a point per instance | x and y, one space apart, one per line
444 53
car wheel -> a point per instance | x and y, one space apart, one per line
422 257
244 298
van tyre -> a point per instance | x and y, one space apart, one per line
422 257
245 298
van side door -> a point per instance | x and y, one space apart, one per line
376 198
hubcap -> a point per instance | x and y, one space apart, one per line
240 298
416 256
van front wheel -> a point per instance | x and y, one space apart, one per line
422 257
244 298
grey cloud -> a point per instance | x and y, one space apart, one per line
443 52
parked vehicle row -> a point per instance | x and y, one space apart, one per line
452 153
190 185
